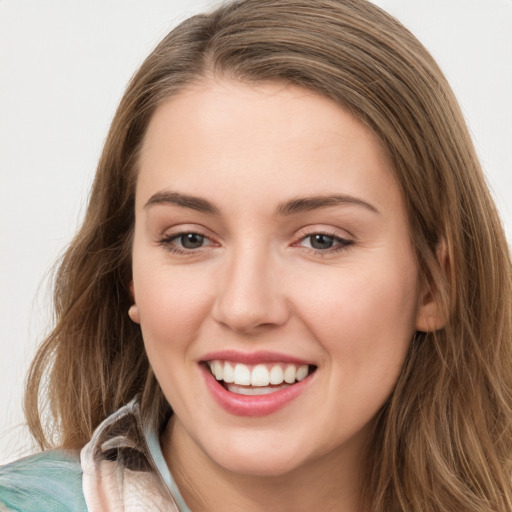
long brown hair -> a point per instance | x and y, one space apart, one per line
443 441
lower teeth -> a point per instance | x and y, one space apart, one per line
246 390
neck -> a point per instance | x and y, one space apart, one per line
330 482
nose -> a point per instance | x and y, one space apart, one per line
250 296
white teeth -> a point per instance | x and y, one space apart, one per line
276 375
261 375
218 370
302 372
241 390
229 373
289 374
242 375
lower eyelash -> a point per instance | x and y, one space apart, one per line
167 245
343 242
344 245
171 248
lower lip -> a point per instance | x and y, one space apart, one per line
253 405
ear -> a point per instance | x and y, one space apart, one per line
430 316
133 312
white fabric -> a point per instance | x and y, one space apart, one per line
119 473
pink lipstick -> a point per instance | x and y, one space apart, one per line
255 384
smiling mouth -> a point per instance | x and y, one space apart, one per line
259 379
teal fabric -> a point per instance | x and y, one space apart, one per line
48 481
52 480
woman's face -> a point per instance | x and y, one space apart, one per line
271 244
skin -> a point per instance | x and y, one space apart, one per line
256 284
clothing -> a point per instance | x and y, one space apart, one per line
122 468
48 481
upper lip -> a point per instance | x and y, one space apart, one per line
253 357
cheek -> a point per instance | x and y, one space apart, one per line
365 320
365 323
172 304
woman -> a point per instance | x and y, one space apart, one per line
291 289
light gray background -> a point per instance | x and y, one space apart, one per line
63 67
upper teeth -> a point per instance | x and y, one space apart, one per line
258 375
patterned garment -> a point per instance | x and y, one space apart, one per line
122 468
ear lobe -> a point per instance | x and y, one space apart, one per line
430 316
133 313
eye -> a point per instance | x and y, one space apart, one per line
323 242
189 240
185 242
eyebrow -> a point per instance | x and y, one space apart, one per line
291 207
304 204
184 200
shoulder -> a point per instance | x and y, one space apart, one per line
50 480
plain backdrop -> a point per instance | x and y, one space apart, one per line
63 68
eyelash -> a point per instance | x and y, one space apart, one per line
343 243
167 242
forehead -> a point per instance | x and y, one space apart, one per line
262 140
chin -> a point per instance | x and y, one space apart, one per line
270 466
257 459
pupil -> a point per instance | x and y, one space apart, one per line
191 241
321 241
